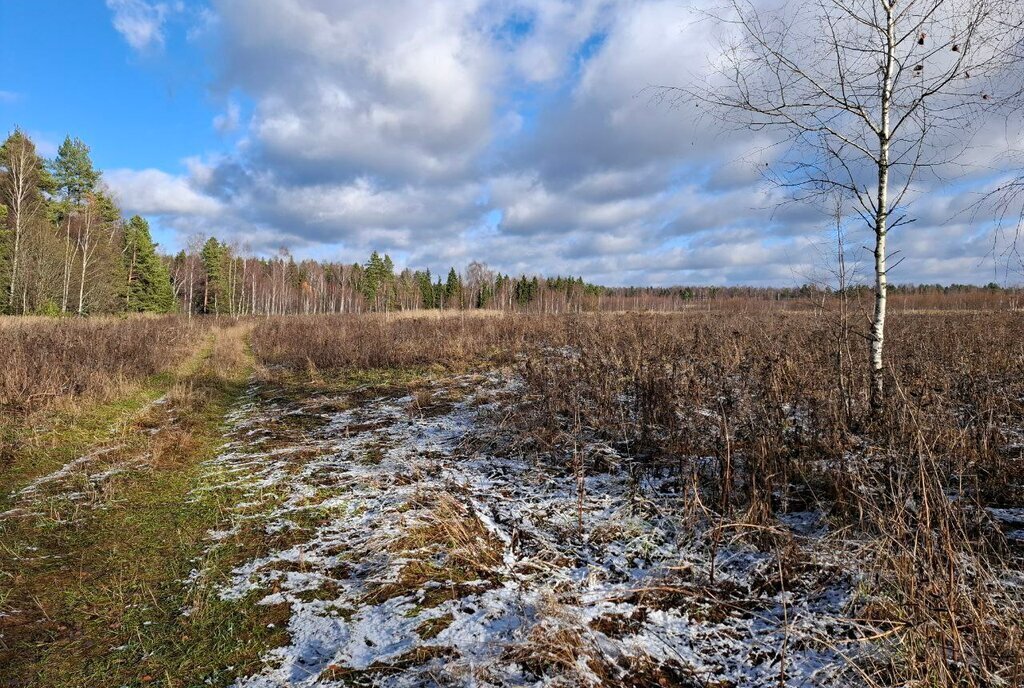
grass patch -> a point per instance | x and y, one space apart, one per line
98 599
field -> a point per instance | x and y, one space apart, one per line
701 498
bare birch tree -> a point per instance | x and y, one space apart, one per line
869 94
1007 203
22 176
99 214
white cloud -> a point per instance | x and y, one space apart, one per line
389 86
513 131
228 121
153 192
141 23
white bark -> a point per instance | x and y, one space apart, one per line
18 195
67 265
882 217
86 247
868 93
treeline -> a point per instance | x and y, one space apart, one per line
66 249
216 280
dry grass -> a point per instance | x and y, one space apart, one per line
556 646
447 547
768 415
105 571
760 414
757 414
384 341
50 362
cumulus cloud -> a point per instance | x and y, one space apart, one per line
139 22
153 192
519 132
351 88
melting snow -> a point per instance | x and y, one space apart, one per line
348 499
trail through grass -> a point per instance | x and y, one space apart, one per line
99 529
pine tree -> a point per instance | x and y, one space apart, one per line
75 179
453 289
148 281
73 171
213 256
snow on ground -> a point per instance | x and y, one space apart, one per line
411 552
76 484
79 484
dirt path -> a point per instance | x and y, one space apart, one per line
93 550
399 548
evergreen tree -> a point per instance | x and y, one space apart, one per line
486 295
103 282
75 180
373 276
525 290
423 280
213 256
378 285
390 295
453 289
148 281
73 171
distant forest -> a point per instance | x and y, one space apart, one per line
65 248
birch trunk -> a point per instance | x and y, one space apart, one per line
131 276
881 219
20 191
86 243
67 265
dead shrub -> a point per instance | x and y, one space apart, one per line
49 362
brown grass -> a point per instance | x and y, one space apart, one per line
757 413
761 414
450 529
49 362
383 341
768 415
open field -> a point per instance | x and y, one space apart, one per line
688 499
512 344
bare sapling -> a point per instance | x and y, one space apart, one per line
869 95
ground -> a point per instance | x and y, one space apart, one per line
403 550
264 529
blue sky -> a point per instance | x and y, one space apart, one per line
72 73
510 131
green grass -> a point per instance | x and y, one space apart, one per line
62 436
95 595
42 444
98 601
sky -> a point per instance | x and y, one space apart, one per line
520 133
